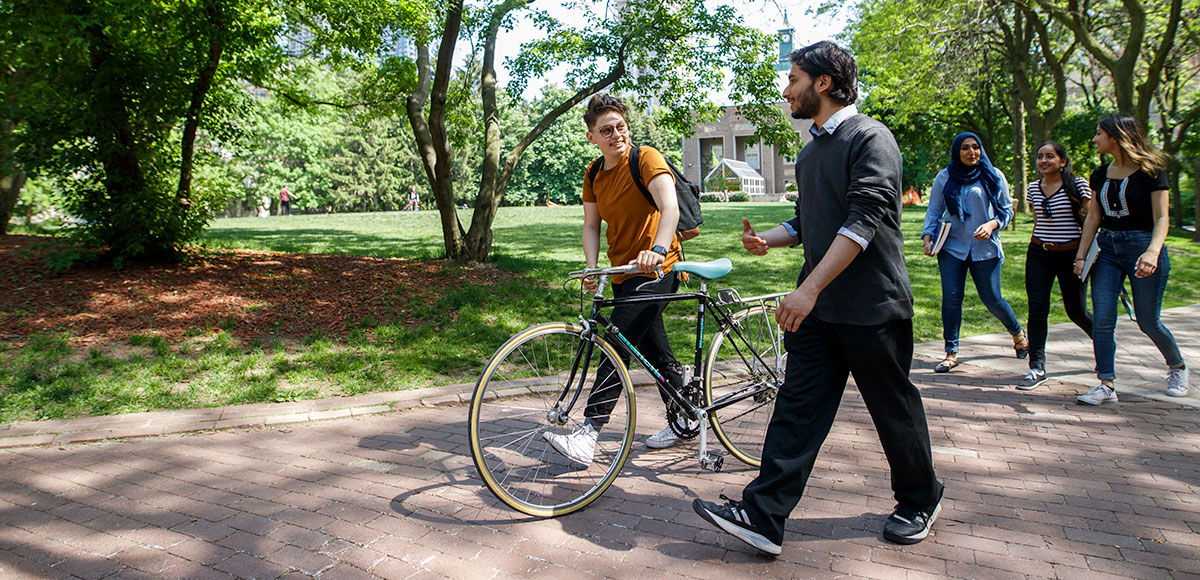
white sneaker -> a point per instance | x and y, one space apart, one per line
579 446
667 438
1177 382
1099 395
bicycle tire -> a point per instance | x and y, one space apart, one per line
511 410
731 369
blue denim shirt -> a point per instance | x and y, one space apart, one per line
962 243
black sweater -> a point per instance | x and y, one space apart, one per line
851 179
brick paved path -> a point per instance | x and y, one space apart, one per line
1037 487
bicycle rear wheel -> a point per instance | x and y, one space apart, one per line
522 395
745 365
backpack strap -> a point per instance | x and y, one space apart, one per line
635 169
594 169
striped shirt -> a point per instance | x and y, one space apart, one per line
1059 224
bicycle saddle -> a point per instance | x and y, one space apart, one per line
707 270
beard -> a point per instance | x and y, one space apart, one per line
808 104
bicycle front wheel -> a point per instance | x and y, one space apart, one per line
743 374
537 385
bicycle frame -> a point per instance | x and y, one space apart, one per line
577 381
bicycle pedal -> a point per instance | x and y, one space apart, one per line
713 463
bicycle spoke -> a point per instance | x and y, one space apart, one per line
515 408
745 360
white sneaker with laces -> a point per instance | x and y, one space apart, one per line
1177 382
579 446
667 438
1099 395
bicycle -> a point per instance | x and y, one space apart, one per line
534 382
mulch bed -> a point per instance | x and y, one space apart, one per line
251 293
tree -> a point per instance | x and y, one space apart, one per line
117 95
964 61
933 63
1134 60
682 41
552 168
1178 101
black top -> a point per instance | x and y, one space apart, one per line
851 179
1126 202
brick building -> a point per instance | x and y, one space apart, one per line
729 137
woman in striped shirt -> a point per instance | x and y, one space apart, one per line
1059 201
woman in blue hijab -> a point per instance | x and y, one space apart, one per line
973 196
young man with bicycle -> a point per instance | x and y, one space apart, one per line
850 315
637 234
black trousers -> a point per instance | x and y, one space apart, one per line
821 356
1041 269
642 325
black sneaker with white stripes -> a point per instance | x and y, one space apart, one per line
906 526
734 520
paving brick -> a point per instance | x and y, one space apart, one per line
1036 487
306 561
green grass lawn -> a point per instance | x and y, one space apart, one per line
47 379
544 243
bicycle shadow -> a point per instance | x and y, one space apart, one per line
625 517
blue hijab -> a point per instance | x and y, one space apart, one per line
962 175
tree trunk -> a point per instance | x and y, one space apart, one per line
11 182
1174 168
433 142
118 151
1196 185
200 89
10 192
1020 181
496 175
1133 97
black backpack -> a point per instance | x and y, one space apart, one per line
686 192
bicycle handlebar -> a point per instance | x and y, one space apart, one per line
626 269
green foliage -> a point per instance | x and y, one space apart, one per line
107 96
552 168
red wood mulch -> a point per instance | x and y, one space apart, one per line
256 294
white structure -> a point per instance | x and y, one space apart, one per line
739 174
399 45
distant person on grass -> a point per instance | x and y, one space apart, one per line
1129 209
637 234
973 195
851 314
285 201
414 200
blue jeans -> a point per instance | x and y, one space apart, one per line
1119 252
986 275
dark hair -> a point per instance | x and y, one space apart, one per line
600 104
827 58
1068 180
1134 144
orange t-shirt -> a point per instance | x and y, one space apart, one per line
632 221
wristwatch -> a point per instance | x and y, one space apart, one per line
659 250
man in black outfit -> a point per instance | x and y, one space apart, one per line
850 315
